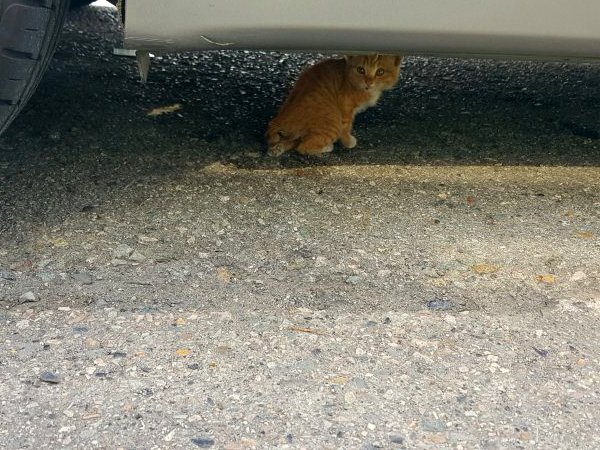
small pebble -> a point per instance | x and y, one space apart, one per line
396 439
10 276
349 397
43 263
439 304
450 319
122 251
91 343
353 280
359 383
22 324
50 377
203 442
119 262
170 435
433 425
82 277
431 273
28 297
136 256
578 276
47 276
146 239
321 261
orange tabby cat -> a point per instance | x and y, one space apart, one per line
322 105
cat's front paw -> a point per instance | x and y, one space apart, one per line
349 142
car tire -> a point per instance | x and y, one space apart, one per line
80 3
29 32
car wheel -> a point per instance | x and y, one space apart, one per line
29 32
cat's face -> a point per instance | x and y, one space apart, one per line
373 72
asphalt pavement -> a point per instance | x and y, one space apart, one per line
166 284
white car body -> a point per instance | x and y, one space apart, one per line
500 28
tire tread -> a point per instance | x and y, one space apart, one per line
29 32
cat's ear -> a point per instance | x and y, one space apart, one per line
397 60
349 59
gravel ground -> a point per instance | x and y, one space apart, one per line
165 284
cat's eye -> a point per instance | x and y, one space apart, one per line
379 72
361 70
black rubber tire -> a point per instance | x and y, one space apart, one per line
80 3
29 32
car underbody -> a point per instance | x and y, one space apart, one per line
509 28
